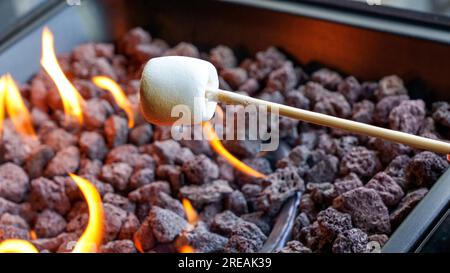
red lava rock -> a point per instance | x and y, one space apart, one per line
350 88
265 62
127 153
407 205
165 224
202 240
200 195
441 113
49 194
236 203
389 150
222 57
351 241
59 139
114 218
119 201
366 208
425 168
173 174
408 116
397 170
120 246
142 177
283 184
250 86
14 149
49 224
294 247
235 77
13 232
65 161
183 49
283 79
332 223
363 111
347 183
7 219
245 237
260 219
322 193
92 145
201 170
333 104
37 160
14 182
384 107
361 161
327 78
390 86
145 193
387 188
117 174
116 131
90 167
297 99
166 151
96 112
141 134
308 207
129 226
133 38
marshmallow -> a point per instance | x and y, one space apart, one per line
171 81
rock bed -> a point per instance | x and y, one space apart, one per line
356 189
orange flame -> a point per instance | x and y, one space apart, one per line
92 237
33 235
118 94
17 246
2 102
17 111
70 97
186 249
217 146
191 214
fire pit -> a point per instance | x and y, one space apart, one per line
83 172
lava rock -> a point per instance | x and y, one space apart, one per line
49 224
49 194
366 208
351 241
387 188
116 131
14 182
201 170
425 168
407 205
207 193
66 161
92 145
38 159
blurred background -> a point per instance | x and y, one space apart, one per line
13 10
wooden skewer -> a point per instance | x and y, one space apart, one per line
331 121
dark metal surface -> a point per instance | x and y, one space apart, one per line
306 33
282 228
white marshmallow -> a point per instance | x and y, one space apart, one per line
170 81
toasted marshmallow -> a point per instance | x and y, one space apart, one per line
170 84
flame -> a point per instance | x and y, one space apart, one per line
118 94
2 102
17 246
217 146
71 99
191 214
33 235
186 249
92 237
17 111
